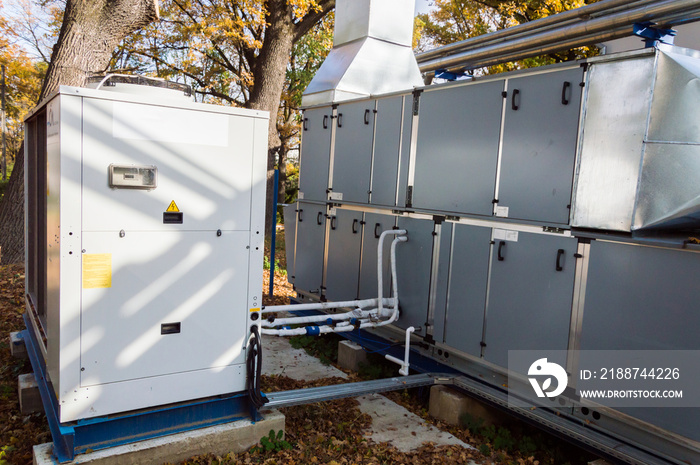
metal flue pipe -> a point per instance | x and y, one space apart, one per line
582 33
558 20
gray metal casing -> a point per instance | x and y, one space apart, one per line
114 272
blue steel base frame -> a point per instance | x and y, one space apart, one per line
74 438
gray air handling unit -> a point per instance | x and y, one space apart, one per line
551 208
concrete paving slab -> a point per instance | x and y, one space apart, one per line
220 440
391 422
403 429
280 358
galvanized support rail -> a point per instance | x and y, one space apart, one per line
568 428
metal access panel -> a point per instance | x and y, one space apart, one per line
310 243
155 217
539 146
290 231
530 293
387 150
457 148
466 293
413 262
639 298
344 242
373 226
405 154
352 159
315 157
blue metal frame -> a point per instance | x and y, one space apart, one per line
99 433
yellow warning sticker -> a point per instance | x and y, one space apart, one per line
172 207
97 270
254 309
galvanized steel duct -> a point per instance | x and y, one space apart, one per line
559 33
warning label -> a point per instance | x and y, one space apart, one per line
172 207
97 270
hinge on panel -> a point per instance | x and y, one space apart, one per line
439 219
452 218
550 229
482 344
504 94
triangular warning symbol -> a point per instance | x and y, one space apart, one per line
172 207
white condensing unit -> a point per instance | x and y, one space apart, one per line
145 217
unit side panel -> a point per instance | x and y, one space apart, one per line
386 151
529 306
466 298
539 146
457 150
413 262
352 157
311 233
162 303
405 155
644 298
315 154
436 318
209 179
290 230
64 319
256 228
344 244
374 225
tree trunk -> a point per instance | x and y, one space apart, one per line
269 77
91 30
269 74
12 215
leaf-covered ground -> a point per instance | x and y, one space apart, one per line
18 433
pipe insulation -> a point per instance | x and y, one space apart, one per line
608 27
367 313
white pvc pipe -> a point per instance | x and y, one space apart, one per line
340 320
405 365
321 305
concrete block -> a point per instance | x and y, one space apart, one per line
219 440
350 355
17 347
449 405
29 397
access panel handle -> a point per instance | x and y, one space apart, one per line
501 245
318 218
306 124
564 88
354 226
333 218
366 116
376 234
560 253
300 210
325 121
340 120
514 105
